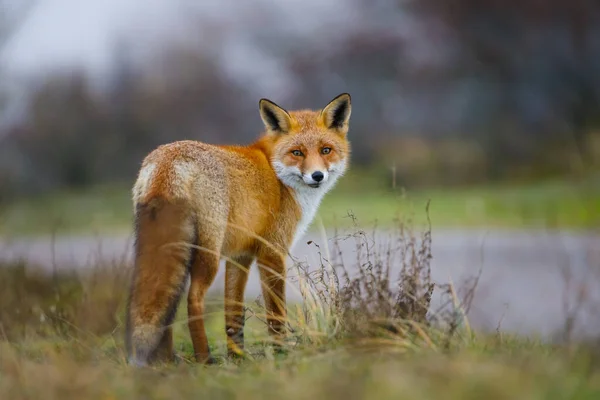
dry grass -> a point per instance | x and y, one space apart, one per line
60 304
365 329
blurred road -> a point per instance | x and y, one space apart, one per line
522 285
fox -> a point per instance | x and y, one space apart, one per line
197 203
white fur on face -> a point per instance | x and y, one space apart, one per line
292 176
308 197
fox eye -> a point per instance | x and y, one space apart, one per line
326 150
297 153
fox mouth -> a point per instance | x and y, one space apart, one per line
314 185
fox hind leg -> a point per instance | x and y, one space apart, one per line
202 274
236 277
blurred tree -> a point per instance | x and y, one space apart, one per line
508 88
543 59
75 136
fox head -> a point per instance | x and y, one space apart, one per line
309 149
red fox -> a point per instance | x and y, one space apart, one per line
195 203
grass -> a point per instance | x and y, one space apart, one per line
551 204
348 373
369 335
102 208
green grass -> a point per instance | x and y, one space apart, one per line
541 205
346 373
554 204
476 367
61 337
99 209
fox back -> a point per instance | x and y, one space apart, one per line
196 203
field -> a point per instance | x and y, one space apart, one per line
551 204
477 367
371 335
457 258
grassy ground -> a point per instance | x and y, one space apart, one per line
63 353
558 204
61 337
483 368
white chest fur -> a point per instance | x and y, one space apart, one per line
309 200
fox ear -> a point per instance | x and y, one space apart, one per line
336 114
275 118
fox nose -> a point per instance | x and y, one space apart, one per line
318 176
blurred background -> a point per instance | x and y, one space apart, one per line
447 93
489 109
452 92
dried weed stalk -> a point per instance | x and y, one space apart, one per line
385 287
